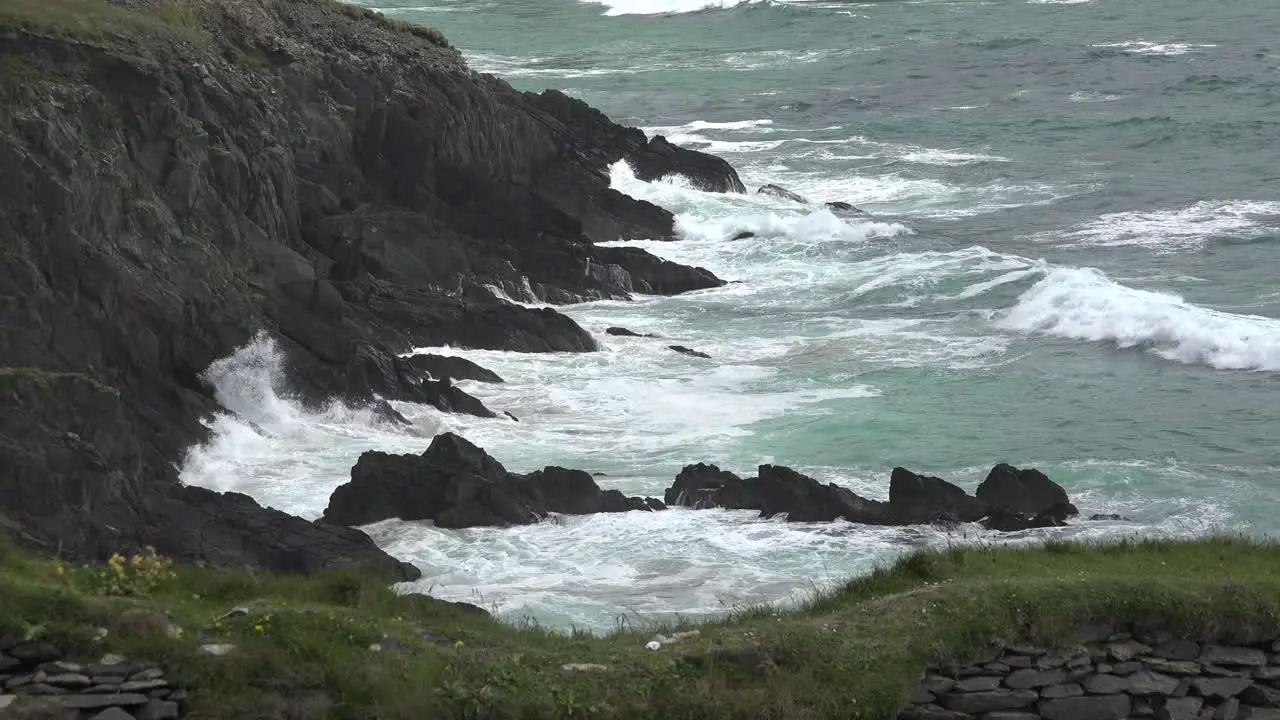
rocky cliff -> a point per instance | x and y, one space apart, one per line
178 175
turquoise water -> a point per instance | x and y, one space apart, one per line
1069 263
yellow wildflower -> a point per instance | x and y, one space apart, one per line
258 628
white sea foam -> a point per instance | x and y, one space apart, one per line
1083 304
1144 47
666 7
1091 96
1175 230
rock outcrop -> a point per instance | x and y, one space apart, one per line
459 485
313 170
1013 499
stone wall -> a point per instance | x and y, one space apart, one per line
36 682
1120 678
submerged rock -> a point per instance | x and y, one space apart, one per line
459 485
688 351
623 332
779 191
844 208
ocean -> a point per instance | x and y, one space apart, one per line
1072 211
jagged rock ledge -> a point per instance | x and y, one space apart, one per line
457 485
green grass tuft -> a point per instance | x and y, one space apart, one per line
852 652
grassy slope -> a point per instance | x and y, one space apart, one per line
853 653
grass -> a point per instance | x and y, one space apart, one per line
851 653
96 20
99 20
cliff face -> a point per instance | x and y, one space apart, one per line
176 176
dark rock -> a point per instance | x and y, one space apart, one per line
938 684
1107 516
459 485
977 684
1177 650
1218 671
69 680
922 499
1018 661
1127 650
1228 710
1033 678
844 208
1004 520
1010 715
1054 692
443 395
1171 667
1260 696
781 192
96 702
623 332
743 235
8 663
143 685
451 367
1146 682
1187 708
513 417
1105 684
660 159
983 702
113 713
35 653
780 490
1029 492
1099 707
1226 655
1220 688
689 351
997 668
1126 668
40 688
